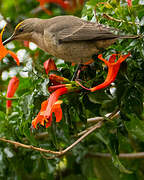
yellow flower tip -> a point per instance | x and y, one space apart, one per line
34 124
3 29
42 113
59 102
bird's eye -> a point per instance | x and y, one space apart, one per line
20 30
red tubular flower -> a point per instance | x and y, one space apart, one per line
12 87
113 68
48 107
54 77
54 88
4 51
129 2
49 65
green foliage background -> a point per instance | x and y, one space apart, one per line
123 134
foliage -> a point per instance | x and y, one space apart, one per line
124 133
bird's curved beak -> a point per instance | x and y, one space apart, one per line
8 40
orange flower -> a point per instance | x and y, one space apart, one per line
68 5
113 68
12 87
57 82
49 65
4 51
59 2
48 107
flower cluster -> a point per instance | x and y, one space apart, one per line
60 85
53 105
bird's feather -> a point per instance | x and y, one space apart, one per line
71 28
85 32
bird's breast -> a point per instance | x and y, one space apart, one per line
71 51
74 51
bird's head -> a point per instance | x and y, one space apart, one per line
23 31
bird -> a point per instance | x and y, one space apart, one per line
67 37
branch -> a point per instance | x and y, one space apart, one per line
138 155
94 119
17 144
89 121
56 153
83 134
98 125
106 16
109 115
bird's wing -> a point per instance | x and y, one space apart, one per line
85 32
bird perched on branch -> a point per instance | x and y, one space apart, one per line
66 37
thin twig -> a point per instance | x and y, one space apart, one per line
95 15
110 116
94 119
117 20
86 130
138 155
98 125
17 144
6 98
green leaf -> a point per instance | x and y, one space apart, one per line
98 96
115 159
2 115
135 127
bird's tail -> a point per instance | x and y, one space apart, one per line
130 37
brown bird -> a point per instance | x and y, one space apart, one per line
66 37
